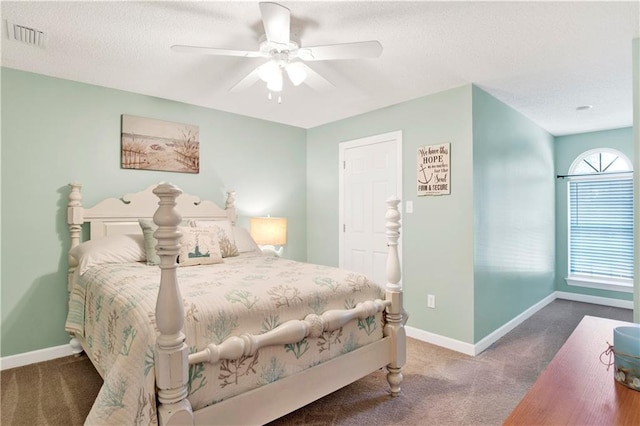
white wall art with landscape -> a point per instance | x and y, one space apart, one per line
150 144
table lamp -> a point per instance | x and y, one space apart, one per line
269 232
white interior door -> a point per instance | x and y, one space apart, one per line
370 174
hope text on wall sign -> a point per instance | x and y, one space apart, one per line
434 170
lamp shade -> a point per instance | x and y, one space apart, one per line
275 82
269 230
268 71
296 73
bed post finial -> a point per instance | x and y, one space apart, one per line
393 234
230 206
231 199
394 326
171 352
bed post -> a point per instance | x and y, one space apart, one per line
75 218
394 326
171 352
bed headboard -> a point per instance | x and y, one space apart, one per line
113 216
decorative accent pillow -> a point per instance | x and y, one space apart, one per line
226 238
199 246
124 248
148 228
244 241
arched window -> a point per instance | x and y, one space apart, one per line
600 191
597 162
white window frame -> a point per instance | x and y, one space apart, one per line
589 280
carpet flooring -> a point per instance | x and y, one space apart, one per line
441 387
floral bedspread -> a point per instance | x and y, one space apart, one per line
112 308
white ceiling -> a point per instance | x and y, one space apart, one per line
542 58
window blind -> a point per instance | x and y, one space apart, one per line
601 227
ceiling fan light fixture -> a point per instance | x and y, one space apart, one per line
296 73
275 83
268 71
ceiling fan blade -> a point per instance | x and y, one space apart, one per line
315 80
216 51
276 20
357 50
247 81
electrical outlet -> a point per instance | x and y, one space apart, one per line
431 301
409 207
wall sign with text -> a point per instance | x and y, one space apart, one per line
434 170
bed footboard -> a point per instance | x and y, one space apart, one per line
292 331
171 354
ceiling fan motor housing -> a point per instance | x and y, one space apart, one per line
279 51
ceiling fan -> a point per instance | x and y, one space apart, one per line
287 56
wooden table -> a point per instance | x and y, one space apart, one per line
576 388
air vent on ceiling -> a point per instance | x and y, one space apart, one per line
25 34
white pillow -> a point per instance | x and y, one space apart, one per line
123 248
199 246
244 241
224 230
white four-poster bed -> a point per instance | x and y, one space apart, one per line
367 334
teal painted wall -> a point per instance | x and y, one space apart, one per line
57 131
456 247
437 238
567 149
513 204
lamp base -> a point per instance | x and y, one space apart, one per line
269 249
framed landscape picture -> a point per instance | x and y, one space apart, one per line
149 144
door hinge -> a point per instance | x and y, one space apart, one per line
344 227
344 164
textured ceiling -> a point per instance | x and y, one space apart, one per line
542 58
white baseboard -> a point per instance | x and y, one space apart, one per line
476 349
500 332
606 301
40 355
438 340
